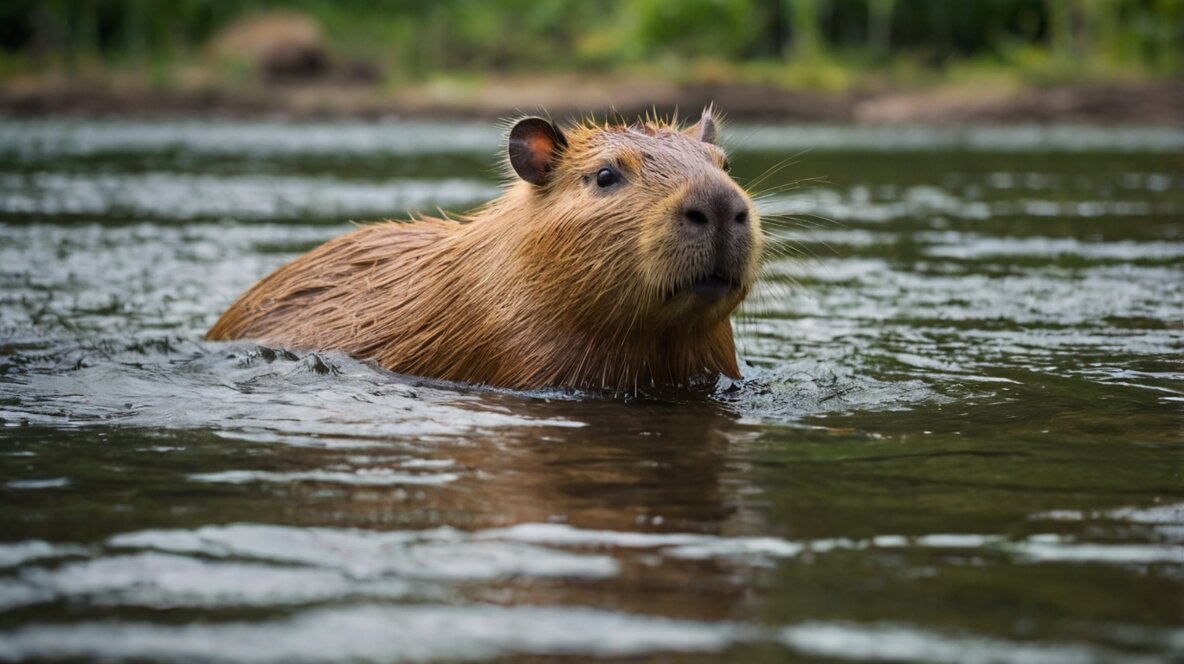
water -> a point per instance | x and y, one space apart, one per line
958 437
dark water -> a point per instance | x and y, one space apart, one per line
958 437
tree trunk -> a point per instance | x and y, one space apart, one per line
803 16
879 26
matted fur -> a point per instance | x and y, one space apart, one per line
559 284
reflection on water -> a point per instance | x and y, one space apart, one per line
957 439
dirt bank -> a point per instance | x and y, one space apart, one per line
1152 103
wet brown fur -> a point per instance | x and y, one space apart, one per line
562 284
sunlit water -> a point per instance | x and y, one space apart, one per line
958 437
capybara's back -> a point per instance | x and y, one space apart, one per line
613 262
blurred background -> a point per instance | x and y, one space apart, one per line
836 60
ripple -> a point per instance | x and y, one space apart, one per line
192 196
1165 520
927 201
29 138
1171 514
18 553
441 553
162 581
874 291
56 137
681 545
968 246
258 565
247 397
1034 548
896 643
359 477
1048 547
1056 548
1021 139
378 634
32 484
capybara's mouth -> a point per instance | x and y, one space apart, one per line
713 287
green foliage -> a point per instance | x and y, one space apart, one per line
409 39
723 29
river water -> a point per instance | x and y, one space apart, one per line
958 437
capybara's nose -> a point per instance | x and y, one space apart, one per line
716 206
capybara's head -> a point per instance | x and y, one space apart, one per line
643 218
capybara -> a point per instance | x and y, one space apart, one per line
612 261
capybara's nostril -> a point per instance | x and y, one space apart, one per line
696 217
742 217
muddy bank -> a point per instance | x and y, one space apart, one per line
1151 103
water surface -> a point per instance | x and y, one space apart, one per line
958 437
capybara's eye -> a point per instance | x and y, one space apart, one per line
606 177
727 165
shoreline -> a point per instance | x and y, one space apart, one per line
1153 103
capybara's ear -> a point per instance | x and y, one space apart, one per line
705 129
707 126
535 145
